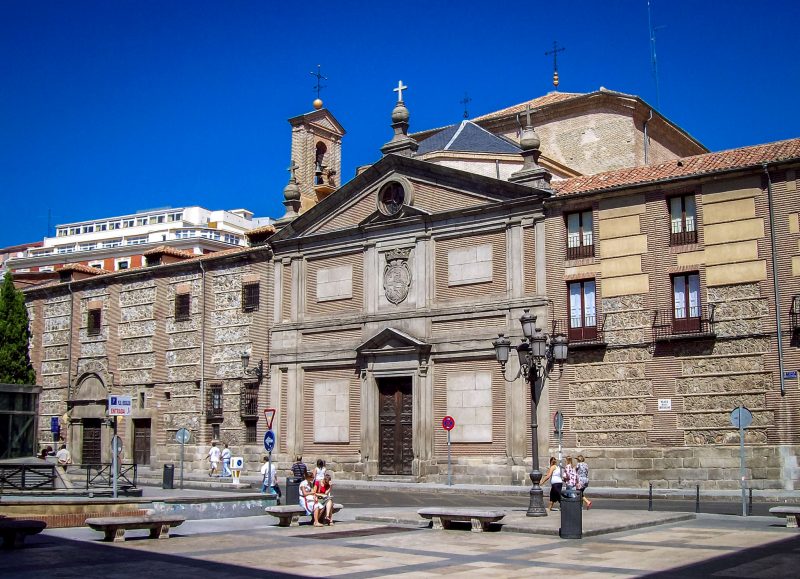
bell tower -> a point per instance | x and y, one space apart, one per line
317 154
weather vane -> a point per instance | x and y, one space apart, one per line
555 52
465 101
319 78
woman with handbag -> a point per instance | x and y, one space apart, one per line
308 499
323 491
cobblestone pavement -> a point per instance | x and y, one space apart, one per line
711 545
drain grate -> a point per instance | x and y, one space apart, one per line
360 533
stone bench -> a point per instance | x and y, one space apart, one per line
14 531
115 527
289 515
789 511
478 518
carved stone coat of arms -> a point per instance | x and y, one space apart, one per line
397 275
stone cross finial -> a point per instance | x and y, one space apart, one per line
399 90
528 115
292 168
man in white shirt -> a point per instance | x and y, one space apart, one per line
213 457
226 461
270 478
64 457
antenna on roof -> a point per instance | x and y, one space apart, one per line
465 101
653 59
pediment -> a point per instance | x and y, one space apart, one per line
390 340
434 189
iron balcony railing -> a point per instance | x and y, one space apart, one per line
214 403
683 237
683 323
794 314
580 251
589 331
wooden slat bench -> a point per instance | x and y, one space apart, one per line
478 518
115 527
289 515
791 512
14 531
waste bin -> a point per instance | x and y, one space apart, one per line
168 480
292 490
571 515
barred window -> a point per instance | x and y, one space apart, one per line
183 307
250 296
251 432
94 322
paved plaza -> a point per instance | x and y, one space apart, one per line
708 545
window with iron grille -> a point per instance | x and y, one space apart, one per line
250 296
183 307
683 220
580 236
251 432
794 312
582 311
94 322
214 404
249 400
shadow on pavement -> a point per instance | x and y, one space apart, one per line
56 557
778 559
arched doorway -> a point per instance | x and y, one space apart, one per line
88 412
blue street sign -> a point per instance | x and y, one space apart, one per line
269 440
790 375
54 426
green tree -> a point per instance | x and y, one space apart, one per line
15 363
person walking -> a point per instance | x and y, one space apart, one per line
556 482
270 478
213 457
582 472
226 461
569 476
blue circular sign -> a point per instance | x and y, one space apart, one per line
269 440
448 422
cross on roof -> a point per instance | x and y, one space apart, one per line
528 115
555 52
399 90
465 101
320 78
292 168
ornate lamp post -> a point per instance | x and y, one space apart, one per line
537 352
257 370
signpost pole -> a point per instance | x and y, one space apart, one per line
114 458
449 468
183 444
741 462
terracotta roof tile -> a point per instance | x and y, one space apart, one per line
261 230
167 250
548 99
83 269
685 167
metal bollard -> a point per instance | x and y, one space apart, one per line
650 499
697 500
750 504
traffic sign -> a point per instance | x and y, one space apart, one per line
116 444
269 440
183 436
790 375
448 422
558 421
119 405
741 417
55 427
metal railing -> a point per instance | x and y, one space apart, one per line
794 314
27 477
102 475
248 404
699 322
683 237
589 333
580 251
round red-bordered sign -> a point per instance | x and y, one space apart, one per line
448 422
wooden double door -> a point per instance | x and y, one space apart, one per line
395 412
141 441
91 447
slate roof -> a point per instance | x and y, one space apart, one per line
686 167
467 137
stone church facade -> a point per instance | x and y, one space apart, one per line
374 307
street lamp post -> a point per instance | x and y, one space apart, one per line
537 352
257 370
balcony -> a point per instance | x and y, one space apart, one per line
248 403
588 336
214 404
580 251
794 314
698 324
683 237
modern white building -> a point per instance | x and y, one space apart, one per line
115 243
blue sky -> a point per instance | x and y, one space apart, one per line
109 107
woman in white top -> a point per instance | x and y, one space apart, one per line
556 482
319 472
308 499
